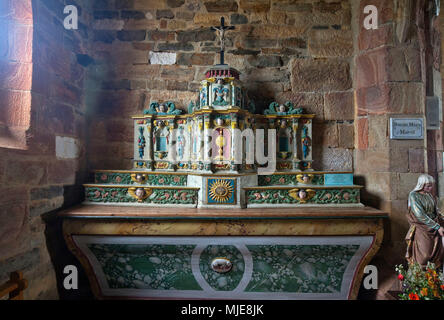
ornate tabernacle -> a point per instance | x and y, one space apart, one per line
159 237
222 154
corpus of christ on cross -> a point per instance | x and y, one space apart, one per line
221 30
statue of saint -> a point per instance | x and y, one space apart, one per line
220 93
424 238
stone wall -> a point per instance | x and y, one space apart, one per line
286 50
394 71
41 65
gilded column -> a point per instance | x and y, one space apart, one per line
296 146
306 140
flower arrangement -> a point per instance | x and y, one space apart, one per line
420 284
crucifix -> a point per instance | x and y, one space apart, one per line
221 30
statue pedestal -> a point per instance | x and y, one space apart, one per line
166 253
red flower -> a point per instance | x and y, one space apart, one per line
401 277
413 296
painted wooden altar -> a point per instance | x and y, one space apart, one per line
201 216
162 253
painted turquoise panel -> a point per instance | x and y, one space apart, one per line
222 281
301 268
140 266
283 144
161 144
338 179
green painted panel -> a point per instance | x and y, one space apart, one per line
158 196
287 179
327 196
152 179
140 266
301 268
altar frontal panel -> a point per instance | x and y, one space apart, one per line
224 267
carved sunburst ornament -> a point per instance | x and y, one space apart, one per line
220 190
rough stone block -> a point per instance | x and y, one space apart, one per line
339 106
332 13
272 31
264 61
255 5
399 160
376 38
131 35
346 136
237 18
62 172
371 68
175 46
132 14
313 103
196 35
185 15
149 4
330 43
15 75
221 6
300 43
326 134
25 172
416 160
378 132
332 159
362 134
320 75
105 14
176 72
406 98
199 59
14 230
405 184
175 3
46 192
164 14
208 19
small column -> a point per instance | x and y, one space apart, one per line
234 139
207 143
295 147
171 144
200 126
141 142
149 144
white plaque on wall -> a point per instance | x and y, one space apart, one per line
407 129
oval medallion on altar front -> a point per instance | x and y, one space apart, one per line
231 276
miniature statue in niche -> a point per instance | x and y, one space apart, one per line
181 143
424 238
141 142
203 96
220 94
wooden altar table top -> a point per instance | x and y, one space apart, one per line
167 213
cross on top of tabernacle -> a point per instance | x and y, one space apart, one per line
221 30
